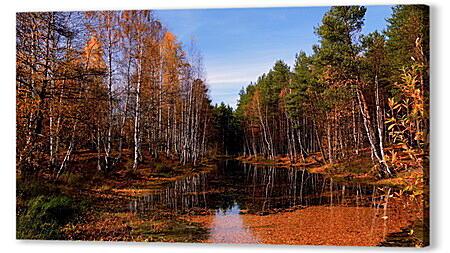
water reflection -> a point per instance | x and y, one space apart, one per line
233 210
228 227
339 213
258 189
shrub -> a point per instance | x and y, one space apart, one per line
44 217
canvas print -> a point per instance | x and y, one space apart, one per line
299 125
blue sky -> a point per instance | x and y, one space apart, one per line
238 45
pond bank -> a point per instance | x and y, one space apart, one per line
117 223
101 202
359 168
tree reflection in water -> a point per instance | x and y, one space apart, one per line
257 189
236 188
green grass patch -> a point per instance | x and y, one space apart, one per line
45 216
170 230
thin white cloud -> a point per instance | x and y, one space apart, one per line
241 74
223 93
229 80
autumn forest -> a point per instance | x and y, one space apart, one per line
118 138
